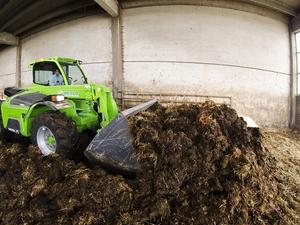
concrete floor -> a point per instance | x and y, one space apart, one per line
284 146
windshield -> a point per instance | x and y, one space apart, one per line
73 73
47 73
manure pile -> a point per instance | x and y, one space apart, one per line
200 165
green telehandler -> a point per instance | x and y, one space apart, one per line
61 106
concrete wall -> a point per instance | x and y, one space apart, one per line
192 50
297 119
88 39
210 51
7 68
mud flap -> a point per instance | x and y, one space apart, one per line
113 148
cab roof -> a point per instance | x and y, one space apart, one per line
56 59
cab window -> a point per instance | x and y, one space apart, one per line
73 73
43 71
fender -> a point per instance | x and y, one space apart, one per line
48 106
46 103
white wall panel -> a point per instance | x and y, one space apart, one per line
88 39
206 34
7 67
99 73
251 94
210 51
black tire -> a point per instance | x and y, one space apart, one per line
63 129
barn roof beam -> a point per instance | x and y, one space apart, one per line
275 5
54 14
39 6
110 6
8 39
296 24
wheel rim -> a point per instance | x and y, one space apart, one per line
46 140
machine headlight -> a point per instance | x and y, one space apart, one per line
57 98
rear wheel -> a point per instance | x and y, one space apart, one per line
53 132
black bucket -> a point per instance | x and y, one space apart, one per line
113 148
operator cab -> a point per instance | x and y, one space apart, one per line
55 73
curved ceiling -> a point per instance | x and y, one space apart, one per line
22 17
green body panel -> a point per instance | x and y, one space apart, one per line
90 106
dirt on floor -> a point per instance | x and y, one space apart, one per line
200 165
284 146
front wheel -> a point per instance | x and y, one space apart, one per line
53 132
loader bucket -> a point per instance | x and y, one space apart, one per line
113 146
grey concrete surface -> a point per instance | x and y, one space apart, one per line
210 51
88 39
7 68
